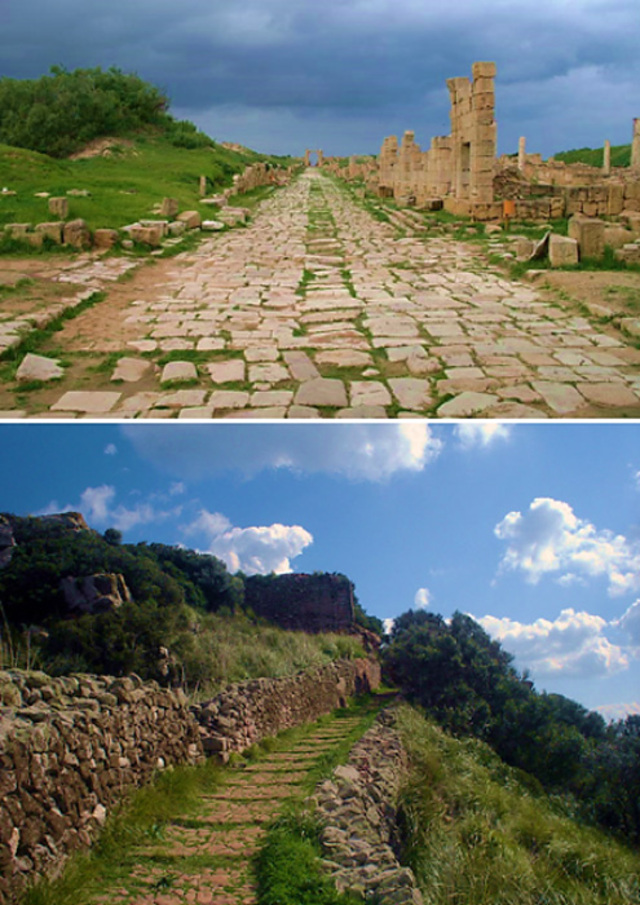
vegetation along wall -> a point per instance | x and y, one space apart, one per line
71 747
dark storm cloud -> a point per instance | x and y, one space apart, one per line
350 71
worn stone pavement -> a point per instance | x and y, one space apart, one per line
207 859
319 310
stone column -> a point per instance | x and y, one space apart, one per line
307 158
635 146
606 158
522 153
202 187
483 141
320 157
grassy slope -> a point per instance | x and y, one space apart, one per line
620 156
124 186
479 832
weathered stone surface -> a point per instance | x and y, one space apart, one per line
231 371
76 233
191 219
131 370
322 391
411 392
59 207
589 234
105 238
92 402
178 370
97 593
561 398
369 392
563 251
39 367
169 207
467 403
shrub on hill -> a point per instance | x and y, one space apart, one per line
59 113
467 682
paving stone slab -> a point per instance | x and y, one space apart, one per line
175 371
94 402
322 391
39 367
466 404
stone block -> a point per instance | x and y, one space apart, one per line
589 234
177 228
18 230
76 233
616 236
59 207
191 219
105 238
162 224
563 251
52 231
212 225
169 207
524 248
38 367
146 235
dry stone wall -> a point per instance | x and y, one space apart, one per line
250 711
358 806
69 749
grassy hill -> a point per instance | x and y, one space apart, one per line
477 831
139 153
137 173
593 157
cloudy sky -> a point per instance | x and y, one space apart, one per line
532 529
342 74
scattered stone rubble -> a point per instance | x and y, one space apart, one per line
359 808
150 232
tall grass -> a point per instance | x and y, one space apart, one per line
221 649
479 833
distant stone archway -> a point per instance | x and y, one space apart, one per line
319 157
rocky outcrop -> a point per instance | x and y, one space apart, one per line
70 748
359 808
310 603
250 711
93 594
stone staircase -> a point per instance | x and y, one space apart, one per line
207 859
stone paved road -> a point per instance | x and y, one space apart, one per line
319 310
207 859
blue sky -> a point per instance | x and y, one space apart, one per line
533 529
343 74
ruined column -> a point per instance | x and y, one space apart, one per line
606 158
307 158
483 142
522 153
320 157
202 186
635 146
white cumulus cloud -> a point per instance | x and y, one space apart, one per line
110 449
481 433
422 598
574 644
549 537
97 506
368 451
255 550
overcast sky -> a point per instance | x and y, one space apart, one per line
533 529
281 76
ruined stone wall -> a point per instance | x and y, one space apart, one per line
358 806
69 750
72 747
250 711
259 174
310 603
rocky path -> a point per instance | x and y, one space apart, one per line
319 310
207 859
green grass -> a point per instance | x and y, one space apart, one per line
124 187
477 831
139 821
594 157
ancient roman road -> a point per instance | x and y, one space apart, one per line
207 859
317 309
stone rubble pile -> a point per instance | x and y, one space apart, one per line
359 807
247 712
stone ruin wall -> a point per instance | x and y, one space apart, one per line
244 714
462 173
310 603
71 748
